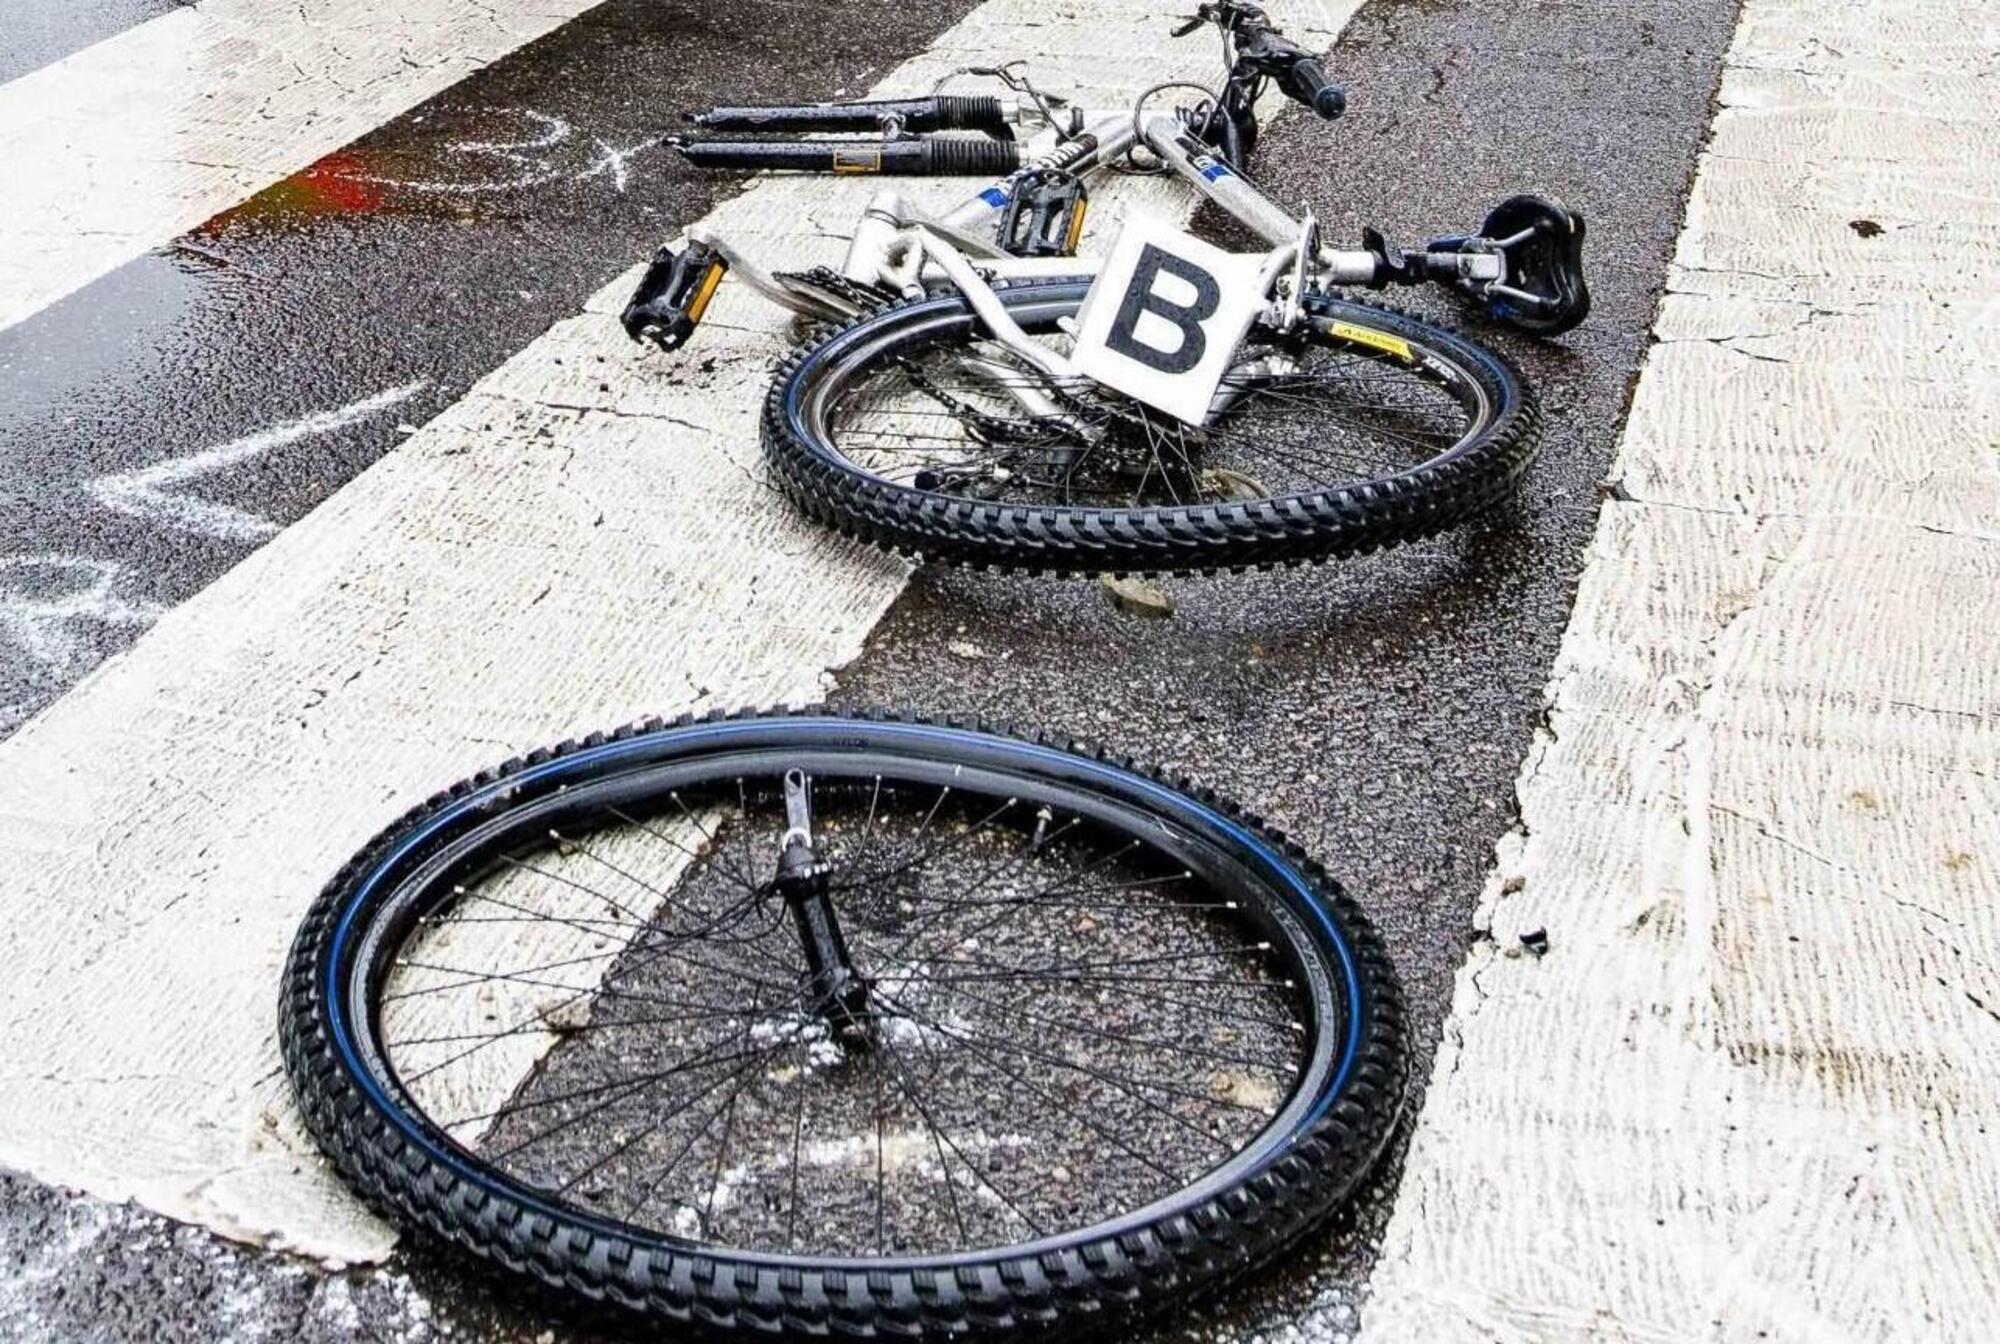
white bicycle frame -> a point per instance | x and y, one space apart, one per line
901 249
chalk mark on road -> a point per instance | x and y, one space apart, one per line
537 157
43 623
153 493
617 162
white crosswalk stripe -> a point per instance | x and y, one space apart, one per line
126 144
1745 1094
1749 1091
583 539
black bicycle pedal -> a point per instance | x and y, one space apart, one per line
1044 215
673 294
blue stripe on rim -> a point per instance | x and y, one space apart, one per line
720 732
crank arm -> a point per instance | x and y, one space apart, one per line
986 305
763 282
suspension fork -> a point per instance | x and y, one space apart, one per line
834 990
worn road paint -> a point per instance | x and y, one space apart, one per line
155 493
141 137
1749 1093
585 538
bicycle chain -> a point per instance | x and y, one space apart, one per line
992 428
863 297
1136 424
990 424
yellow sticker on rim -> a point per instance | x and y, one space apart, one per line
1373 339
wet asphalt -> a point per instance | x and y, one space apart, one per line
274 311
1378 710
34 33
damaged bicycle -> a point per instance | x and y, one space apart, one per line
982 394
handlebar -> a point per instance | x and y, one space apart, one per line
1263 51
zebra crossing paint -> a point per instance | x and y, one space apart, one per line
136 139
1773 722
583 539
1748 1092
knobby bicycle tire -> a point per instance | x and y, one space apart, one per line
1315 1151
1416 501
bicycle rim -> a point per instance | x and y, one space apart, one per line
1095 1004
1364 428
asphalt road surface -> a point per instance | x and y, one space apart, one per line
37 34
1378 710
279 347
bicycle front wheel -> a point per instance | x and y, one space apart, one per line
910 428
1093 1041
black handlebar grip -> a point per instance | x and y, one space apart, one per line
1307 82
901 158
939 112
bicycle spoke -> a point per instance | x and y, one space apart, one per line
1011 961
938 1131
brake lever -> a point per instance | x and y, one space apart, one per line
1223 13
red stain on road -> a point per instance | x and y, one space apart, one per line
338 184
334 185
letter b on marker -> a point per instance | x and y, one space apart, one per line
1164 318
1142 296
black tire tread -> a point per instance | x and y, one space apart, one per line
1354 519
1100 1289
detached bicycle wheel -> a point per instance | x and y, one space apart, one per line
808 1025
909 428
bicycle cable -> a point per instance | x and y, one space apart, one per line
1128 162
1018 81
